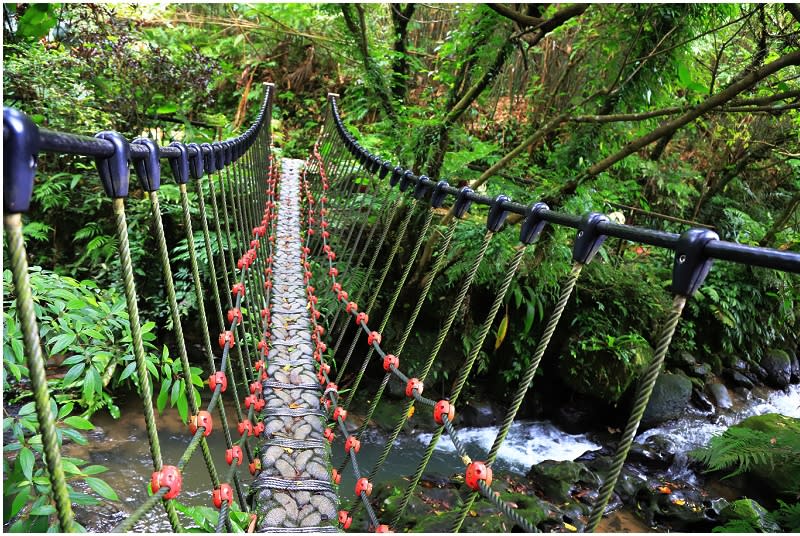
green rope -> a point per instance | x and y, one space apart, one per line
643 393
454 308
177 328
387 263
555 317
463 374
33 353
138 350
387 314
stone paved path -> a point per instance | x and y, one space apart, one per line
294 491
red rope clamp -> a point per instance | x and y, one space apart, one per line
245 428
351 307
237 289
256 388
265 314
268 284
374 337
321 377
442 408
254 244
258 429
336 477
383 528
306 250
268 271
340 412
250 400
203 418
325 234
259 365
363 485
234 313
254 466
218 378
478 471
352 443
341 295
331 256
320 330
262 345
412 384
226 337
321 346
169 477
222 493
333 272
313 299
326 368
390 360
362 317
234 453
329 435
345 519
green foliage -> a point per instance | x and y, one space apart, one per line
26 486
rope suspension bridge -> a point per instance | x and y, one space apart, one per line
285 236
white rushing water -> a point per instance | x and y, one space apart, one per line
695 429
527 443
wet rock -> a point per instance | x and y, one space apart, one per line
752 512
720 395
739 379
700 371
479 414
777 477
669 399
685 360
795 377
657 452
557 479
701 401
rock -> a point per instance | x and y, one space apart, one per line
312 520
739 379
685 360
285 469
701 401
776 472
657 452
274 517
324 505
670 395
720 395
752 512
779 368
557 479
795 377
700 371
479 414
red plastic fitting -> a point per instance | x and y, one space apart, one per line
222 493
383 528
321 346
268 284
169 477
258 365
331 255
249 400
262 345
362 317
259 405
335 476
265 314
351 307
339 412
256 388
389 360
254 244
329 435
333 272
203 418
478 471
227 337
326 368
341 295
325 234
237 289
234 313
234 453
352 443
345 519
442 408
218 378
254 466
412 384
374 337
363 485
258 429
245 428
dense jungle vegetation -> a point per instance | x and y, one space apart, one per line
666 116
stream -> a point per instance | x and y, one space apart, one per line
121 445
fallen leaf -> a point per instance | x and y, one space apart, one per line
664 489
571 528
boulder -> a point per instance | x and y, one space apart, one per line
479 414
795 378
657 452
701 401
670 396
782 473
739 379
779 368
720 395
557 479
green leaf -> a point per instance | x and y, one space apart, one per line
91 384
73 374
183 406
501 332
79 422
530 313
176 391
61 342
101 488
43 510
94 469
19 501
683 75
128 370
161 401
165 109
65 410
26 460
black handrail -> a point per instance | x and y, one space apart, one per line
787 261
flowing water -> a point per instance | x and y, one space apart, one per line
121 445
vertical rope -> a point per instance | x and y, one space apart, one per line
33 353
643 393
555 317
138 350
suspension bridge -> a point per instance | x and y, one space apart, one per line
284 236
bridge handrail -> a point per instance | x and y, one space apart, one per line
788 261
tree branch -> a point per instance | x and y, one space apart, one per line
519 18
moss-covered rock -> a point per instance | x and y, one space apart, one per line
557 479
669 399
778 366
778 467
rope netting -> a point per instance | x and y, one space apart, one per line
338 214
241 172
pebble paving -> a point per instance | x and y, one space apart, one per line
293 492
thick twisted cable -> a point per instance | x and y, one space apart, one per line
463 374
643 393
527 379
33 352
487 237
138 350
390 308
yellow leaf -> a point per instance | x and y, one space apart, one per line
410 412
294 405
501 332
571 528
473 513
679 502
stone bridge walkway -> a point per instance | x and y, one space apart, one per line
294 492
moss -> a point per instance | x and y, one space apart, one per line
780 473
